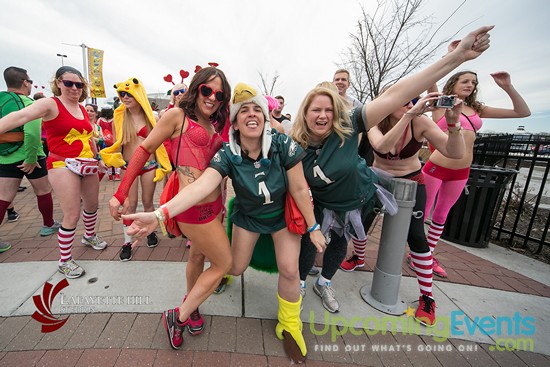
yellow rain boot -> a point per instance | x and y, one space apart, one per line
289 329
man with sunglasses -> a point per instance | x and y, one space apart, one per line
21 152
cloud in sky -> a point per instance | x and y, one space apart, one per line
302 41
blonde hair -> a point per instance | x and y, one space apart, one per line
129 133
57 92
341 124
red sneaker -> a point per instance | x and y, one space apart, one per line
425 313
352 263
174 327
438 270
195 323
117 177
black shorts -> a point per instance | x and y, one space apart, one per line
12 171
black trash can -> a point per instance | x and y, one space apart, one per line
471 219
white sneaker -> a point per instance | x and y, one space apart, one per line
70 269
95 242
328 296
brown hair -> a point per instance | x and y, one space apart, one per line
471 100
189 100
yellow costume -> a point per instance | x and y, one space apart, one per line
112 156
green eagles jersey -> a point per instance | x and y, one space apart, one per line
338 177
260 191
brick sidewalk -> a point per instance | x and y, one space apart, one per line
462 267
140 340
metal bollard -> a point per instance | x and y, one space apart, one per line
384 291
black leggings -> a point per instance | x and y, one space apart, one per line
333 256
416 237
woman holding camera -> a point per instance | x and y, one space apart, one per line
445 177
396 142
71 160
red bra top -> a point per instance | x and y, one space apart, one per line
404 152
143 132
197 147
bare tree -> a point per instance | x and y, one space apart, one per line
268 87
389 44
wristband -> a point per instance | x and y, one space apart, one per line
160 218
457 131
314 227
165 211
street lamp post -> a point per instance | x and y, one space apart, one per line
62 57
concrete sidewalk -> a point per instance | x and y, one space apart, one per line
115 309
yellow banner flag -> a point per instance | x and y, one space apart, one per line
95 73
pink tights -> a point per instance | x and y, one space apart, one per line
447 184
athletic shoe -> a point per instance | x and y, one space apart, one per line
174 327
13 216
117 177
303 289
152 240
223 283
195 323
126 252
70 269
352 263
328 296
409 262
313 272
4 247
95 242
438 270
46 231
425 313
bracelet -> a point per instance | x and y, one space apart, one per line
165 212
457 131
315 227
160 218
451 125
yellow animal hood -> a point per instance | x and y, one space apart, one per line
111 155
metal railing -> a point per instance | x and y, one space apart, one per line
524 214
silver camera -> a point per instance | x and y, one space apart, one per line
445 102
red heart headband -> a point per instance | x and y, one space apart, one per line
184 74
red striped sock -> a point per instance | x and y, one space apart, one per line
89 220
359 247
434 233
65 238
423 267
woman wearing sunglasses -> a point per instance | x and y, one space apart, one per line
69 135
133 121
263 166
193 127
339 179
176 94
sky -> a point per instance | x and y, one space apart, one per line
300 40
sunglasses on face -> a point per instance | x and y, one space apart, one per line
413 101
125 94
70 84
206 91
178 92
28 80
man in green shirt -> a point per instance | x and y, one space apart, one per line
21 153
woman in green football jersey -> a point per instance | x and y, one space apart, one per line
340 181
263 166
